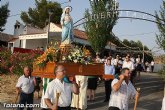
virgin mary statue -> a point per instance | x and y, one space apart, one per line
67 26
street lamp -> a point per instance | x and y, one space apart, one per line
50 13
143 54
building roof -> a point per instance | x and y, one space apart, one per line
5 37
13 39
80 34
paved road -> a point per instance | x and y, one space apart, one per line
151 95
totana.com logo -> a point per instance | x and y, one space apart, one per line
6 105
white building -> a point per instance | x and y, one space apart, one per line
30 38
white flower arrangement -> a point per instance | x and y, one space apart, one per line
78 55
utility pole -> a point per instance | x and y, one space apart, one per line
50 13
143 53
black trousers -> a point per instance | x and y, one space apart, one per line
64 108
133 76
25 99
107 89
113 108
152 68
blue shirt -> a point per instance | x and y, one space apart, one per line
109 69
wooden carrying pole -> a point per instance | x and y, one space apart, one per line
136 98
78 96
57 98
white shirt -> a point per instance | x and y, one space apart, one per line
152 63
120 62
132 59
129 65
98 60
137 60
103 60
57 86
121 98
26 84
115 61
112 61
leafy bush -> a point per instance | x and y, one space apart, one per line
20 60
14 63
5 63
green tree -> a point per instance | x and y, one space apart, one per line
39 16
146 48
135 44
117 41
99 28
139 44
4 14
126 42
160 18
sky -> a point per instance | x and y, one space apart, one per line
125 28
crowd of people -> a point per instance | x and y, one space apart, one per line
76 93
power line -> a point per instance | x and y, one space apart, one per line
157 51
137 34
15 15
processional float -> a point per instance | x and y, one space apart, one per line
72 69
